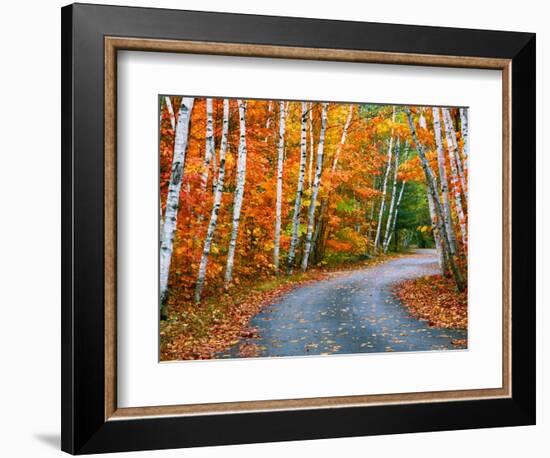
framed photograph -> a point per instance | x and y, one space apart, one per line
282 228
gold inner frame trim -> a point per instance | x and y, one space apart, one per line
114 44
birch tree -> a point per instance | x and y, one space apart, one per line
384 187
299 190
215 206
325 201
387 233
371 216
209 147
464 134
422 119
315 188
280 163
239 192
443 183
174 187
170 112
436 234
395 214
398 203
432 186
452 144
268 121
172 116
269 110
455 186
342 140
311 148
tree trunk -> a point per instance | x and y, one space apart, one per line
170 109
436 234
394 220
342 140
319 236
171 112
209 147
239 192
315 190
214 159
432 185
398 204
311 148
174 187
443 183
215 206
456 187
384 188
387 233
299 192
464 134
268 121
453 148
371 220
280 163
422 119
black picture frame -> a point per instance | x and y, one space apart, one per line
84 428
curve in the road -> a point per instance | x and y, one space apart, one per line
352 312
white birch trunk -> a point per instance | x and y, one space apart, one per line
464 133
455 186
443 183
432 186
209 146
450 134
214 158
268 121
316 183
371 217
311 148
384 189
299 191
269 109
170 112
280 163
422 120
398 204
435 232
396 212
170 109
168 104
342 139
325 201
392 201
174 187
215 206
239 192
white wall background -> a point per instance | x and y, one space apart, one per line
30 227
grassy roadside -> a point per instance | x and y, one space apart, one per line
194 331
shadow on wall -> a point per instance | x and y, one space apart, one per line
50 439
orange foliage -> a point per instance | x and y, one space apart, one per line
352 190
436 300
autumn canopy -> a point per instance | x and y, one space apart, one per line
255 191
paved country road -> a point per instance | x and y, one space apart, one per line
351 312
